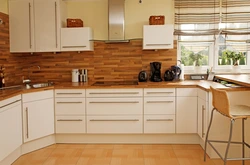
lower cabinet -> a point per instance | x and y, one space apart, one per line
186 110
70 111
10 126
159 123
114 111
38 115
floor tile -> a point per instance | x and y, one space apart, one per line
127 161
63 152
97 153
99 146
94 161
157 146
168 161
127 153
128 146
159 154
61 161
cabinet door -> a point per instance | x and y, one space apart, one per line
38 119
10 128
76 39
21 26
158 36
202 122
47 28
186 115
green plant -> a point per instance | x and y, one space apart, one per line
197 58
235 56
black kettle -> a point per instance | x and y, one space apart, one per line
168 75
176 70
142 76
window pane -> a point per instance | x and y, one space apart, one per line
194 54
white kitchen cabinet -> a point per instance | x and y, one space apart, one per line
10 125
35 25
114 111
159 110
186 110
158 36
38 115
76 39
70 111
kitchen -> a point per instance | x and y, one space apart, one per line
107 61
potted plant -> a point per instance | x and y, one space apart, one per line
235 57
197 60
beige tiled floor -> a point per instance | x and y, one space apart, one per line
118 154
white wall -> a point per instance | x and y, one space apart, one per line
95 14
4 6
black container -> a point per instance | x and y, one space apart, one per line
142 76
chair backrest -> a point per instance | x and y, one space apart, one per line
220 101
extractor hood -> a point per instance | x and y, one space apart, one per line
116 14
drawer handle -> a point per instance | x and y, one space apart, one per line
114 120
114 102
160 119
157 44
160 101
69 120
79 102
159 92
68 93
93 93
75 46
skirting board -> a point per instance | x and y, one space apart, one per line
129 138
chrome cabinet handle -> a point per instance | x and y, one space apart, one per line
160 101
69 120
69 93
159 92
75 46
114 102
160 119
100 93
62 102
114 120
56 23
27 122
157 44
10 103
203 110
30 25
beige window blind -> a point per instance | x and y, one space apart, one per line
197 20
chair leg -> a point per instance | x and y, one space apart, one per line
243 140
208 129
229 141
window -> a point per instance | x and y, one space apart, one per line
209 29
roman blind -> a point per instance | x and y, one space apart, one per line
196 20
235 19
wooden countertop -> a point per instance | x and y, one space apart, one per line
243 79
202 84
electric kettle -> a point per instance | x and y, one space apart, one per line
176 70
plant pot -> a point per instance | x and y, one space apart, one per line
197 69
236 68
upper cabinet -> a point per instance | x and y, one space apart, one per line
35 25
158 36
76 39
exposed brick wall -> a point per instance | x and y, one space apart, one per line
122 61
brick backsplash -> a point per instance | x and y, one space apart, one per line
120 61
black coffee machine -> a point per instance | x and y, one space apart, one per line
155 75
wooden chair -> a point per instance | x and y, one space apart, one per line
221 104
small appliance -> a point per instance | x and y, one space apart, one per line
75 75
168 75
142 76
176 71
155 75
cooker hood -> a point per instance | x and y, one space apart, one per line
116 18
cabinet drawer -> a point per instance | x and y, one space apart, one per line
70 106
114 124
203 94
70 124
159 105
159 92
186 91
70 93
27 97
159 123
114 92
114 106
